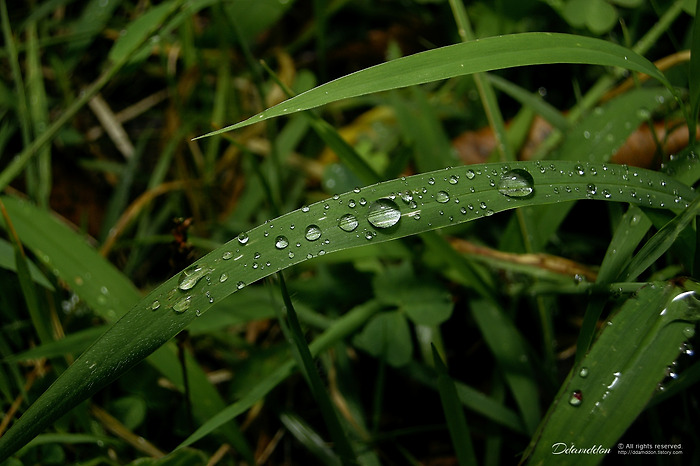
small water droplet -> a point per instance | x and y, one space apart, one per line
583 372
281 242
689 332
191 275
470 174
182 305
442 197
313 232
580 170
586 134
431 181
576 398
454 179
383 213
591 189
356 190
227 255
348 222
198 313
155 305
291 255
516 183
209 297
240 285
223 277
243 238
687 349
351 203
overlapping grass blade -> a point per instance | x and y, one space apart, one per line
369 215
615 378
476 56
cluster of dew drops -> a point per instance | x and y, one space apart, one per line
671 372
383 214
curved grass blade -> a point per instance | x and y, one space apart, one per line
617 379
373 214
454 414
492 53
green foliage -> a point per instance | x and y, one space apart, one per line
421 293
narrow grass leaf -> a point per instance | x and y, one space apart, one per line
369 215
661 241
510 352
344 326
454 414
533 101
693 83
306 363
476 56
141 29
309 438
602 397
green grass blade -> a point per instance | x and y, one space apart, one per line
308 366
508 348
661 242
343 327
488 54
456 422
370 215
617 383
694 84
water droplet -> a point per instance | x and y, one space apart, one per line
591 189
256 255
586 134
191 275
671 372
431 181
291 255
243 238
182 305
356 190
689 332
209 297
227 255
442 197
351 203
198 313
576 398
454 179
583 372
348 222
687 349
516 183
155 305
463 210
305 209
406 197
223 277
240 285
281 242
383 213
313 232
470 174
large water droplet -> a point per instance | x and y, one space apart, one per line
243 238
442 197
313 232
182 305
576 398
191 275
281 242
348 222
516 183
383 213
